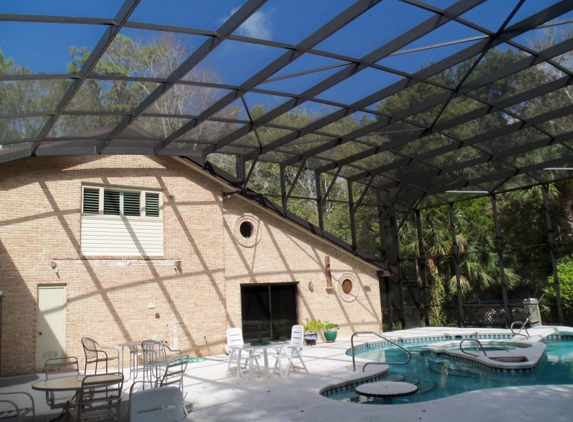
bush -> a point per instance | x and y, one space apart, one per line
313 325
565 274
330 326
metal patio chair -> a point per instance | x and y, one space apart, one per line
17 404
156 356
94 353
99 399
174 372
60 367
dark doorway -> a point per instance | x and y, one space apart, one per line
268 311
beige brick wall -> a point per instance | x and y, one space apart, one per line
110 299
287 254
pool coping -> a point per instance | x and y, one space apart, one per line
217 396
532 352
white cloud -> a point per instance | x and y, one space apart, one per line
257 26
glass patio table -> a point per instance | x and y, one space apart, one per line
73 383
134 350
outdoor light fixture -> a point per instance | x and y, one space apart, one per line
54 266
177 265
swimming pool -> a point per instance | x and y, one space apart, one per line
438 375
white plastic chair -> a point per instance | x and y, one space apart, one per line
163 404
286 355
235 338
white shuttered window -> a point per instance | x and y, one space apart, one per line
121 222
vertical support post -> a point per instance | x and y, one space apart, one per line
352 215
381 230
422 269
384 293
319 201
240 168
551 242
456 251
396 250
499 247
283 190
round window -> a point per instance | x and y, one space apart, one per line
246 229
347 287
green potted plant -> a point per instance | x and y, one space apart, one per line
330 331
311 330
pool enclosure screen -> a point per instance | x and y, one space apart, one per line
346 117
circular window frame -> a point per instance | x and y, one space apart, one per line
254 238
352 295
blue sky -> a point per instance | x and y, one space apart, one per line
45 47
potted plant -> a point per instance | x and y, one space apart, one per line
311 330
330 331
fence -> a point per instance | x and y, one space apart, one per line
484 315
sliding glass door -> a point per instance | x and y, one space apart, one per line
268 311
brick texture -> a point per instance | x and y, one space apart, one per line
116 299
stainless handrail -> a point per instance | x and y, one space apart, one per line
377 363
478 342
523 327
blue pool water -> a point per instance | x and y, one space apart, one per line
437 376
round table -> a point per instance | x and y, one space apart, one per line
73 383
386 389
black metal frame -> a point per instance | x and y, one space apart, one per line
410 181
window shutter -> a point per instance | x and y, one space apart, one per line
121 230
91 201
151 204
111 202
131 205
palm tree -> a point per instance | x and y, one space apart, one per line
478 259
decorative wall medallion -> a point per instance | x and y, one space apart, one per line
246 230
347 287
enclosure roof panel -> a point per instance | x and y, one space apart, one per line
410 98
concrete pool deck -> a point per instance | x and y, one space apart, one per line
217 396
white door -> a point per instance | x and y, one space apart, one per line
51 333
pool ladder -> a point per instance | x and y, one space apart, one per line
523 325
477 341
377 363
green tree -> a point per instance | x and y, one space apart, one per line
565 275
156 58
